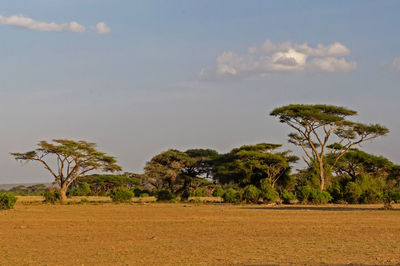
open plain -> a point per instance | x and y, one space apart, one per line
196 234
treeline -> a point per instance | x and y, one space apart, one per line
336 171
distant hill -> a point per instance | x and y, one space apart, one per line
9 186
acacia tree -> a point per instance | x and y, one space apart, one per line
319 126
73 160
178 171
250 164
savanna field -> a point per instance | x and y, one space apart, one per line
198 234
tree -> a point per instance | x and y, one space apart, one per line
250 164
319 126
73 160
178 171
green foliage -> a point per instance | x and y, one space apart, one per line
287 196
251 194
307 194
52 196
319 197
249 164
165 195
218 192
176 170
144 195
201 192
35 190
231 196
103 184
7 201
82 190
268 192
308 122
121 194
391 195
352 192
185 195
85 201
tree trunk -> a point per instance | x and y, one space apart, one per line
63 192
321 175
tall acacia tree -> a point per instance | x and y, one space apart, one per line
72 160
319 126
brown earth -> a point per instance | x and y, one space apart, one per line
190 234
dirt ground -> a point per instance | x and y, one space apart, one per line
190 234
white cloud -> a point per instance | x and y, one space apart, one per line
31 24
102 28
395 65
332 64
270 58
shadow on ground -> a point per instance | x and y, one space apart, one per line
322 208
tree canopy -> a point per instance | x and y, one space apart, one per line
250 164
318 126
73 160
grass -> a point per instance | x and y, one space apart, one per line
191 234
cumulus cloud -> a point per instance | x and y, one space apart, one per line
269 58
31 24
102 28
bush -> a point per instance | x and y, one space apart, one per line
185 195
352 192
81 190
137 192
371 195
251 194
165 195
231 196
201 192
287 196
121 195
7 201
303 193
319 197
308 194
268 192
143 195
218 192
52 196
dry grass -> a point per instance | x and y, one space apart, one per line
188 234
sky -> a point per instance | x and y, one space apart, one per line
140 77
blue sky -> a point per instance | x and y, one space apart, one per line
137 89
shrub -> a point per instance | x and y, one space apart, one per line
287 196
251 194
218 192
52 196
137 192
371 195
185 195
319 197
121 195
231 196
85 200
201 192
165 195
7 201
352 192
81 190
303 193
308 194
143 195
268 192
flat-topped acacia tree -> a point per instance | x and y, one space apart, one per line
73 160
320 127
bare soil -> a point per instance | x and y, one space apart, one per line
198 234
